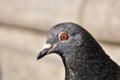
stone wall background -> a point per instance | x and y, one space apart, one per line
23 28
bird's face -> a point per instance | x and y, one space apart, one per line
62 39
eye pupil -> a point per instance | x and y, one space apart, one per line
64 36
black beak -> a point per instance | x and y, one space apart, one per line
45 51
42 53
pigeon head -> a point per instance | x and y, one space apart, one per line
67 39
62 39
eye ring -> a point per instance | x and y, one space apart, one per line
63 36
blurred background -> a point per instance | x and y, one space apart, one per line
23 28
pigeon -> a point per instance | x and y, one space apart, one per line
82 55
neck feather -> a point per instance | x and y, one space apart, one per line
87 62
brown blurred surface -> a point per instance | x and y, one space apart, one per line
100 17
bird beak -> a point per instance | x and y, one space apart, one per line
44 51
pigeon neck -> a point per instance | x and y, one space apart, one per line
77 67
69 74
83 62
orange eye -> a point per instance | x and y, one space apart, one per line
63 36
